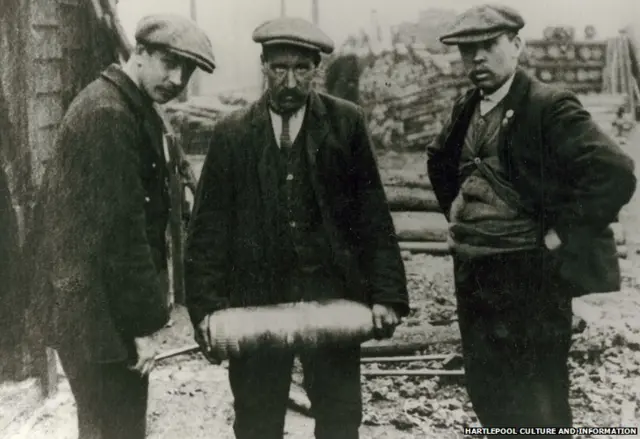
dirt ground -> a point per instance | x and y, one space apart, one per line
190 399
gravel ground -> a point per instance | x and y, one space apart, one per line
190 398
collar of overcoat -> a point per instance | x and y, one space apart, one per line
141 106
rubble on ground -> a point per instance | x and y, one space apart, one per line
604 362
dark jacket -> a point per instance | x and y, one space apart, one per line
98 239
228 259
572 176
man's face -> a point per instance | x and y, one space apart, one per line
290 71
163 75
490 63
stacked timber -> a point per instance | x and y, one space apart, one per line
558 58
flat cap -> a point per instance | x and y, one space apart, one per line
293 31
179 35
482 23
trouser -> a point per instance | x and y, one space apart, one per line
515 322
260 384
111 399
260 380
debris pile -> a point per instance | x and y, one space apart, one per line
407 91
604 364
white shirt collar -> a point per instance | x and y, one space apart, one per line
490 101
295 124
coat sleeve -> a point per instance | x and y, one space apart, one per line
598 176
380 260
135 295
209 236
441 170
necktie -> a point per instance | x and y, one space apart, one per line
285 136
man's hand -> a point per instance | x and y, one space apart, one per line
552 240
147 350
385 320
203 338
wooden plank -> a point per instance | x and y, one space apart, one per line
48 76
415 199
48 110
44 141
44 13
46 43
413 373
72 31
420 226
430 248
629 74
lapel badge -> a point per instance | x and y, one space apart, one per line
508 115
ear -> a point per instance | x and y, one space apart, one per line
518 43
139 49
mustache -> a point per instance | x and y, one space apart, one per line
294 94
479 71
169 90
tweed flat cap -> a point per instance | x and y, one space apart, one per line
179 35
294 31
482 23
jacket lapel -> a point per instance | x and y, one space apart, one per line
461 116
262 138
514 99
317 127
512 104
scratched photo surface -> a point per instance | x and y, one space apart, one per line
319 218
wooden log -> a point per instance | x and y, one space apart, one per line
402 198
420 226
414 373
404 359
442 248
429 248
190 349
389 348
396 177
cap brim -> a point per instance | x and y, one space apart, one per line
471 38
199 61
298 43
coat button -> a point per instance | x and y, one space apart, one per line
153 165
290 177
293 224
477 160
147 199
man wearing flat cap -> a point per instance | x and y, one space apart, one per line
529 184
290 207
98 241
